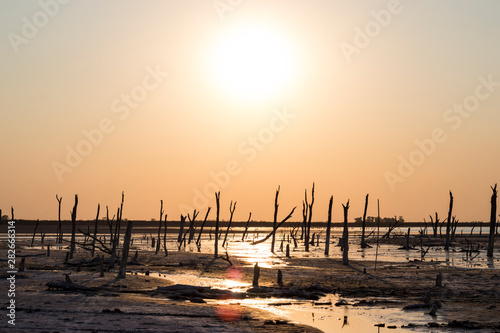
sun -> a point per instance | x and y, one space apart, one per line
253 63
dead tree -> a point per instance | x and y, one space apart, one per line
73 228
110 225
34 233
304 220
363 242
216 245
159 227
59 228
448 224
328 226
392 227
190 230
309 218
95 229
180 238
181 230
165 237
434 224
274 230
246 227
454 224
345 237
12 212
122 273
231 210
493 219
119 221
198 241
275 219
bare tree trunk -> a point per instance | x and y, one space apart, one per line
159 227
198 241
190 230
217 201
363 242
493 220
309 219
122 273
345 237
448 224
328 226
275 219
59 228
378 232
165 237
231 210
34 233
305 212
12 212
246 227
73 228
95 229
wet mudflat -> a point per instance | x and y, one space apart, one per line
317 291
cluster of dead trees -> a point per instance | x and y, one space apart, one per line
187 232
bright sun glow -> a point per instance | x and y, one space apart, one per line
253 63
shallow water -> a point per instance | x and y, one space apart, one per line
260 253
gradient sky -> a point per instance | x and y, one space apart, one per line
350 118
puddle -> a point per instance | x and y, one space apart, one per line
321 314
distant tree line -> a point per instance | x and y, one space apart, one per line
373 219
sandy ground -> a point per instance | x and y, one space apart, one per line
467 296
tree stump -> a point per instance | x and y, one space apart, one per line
256 275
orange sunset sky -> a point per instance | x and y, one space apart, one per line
174 100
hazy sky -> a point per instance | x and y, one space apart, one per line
173 100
